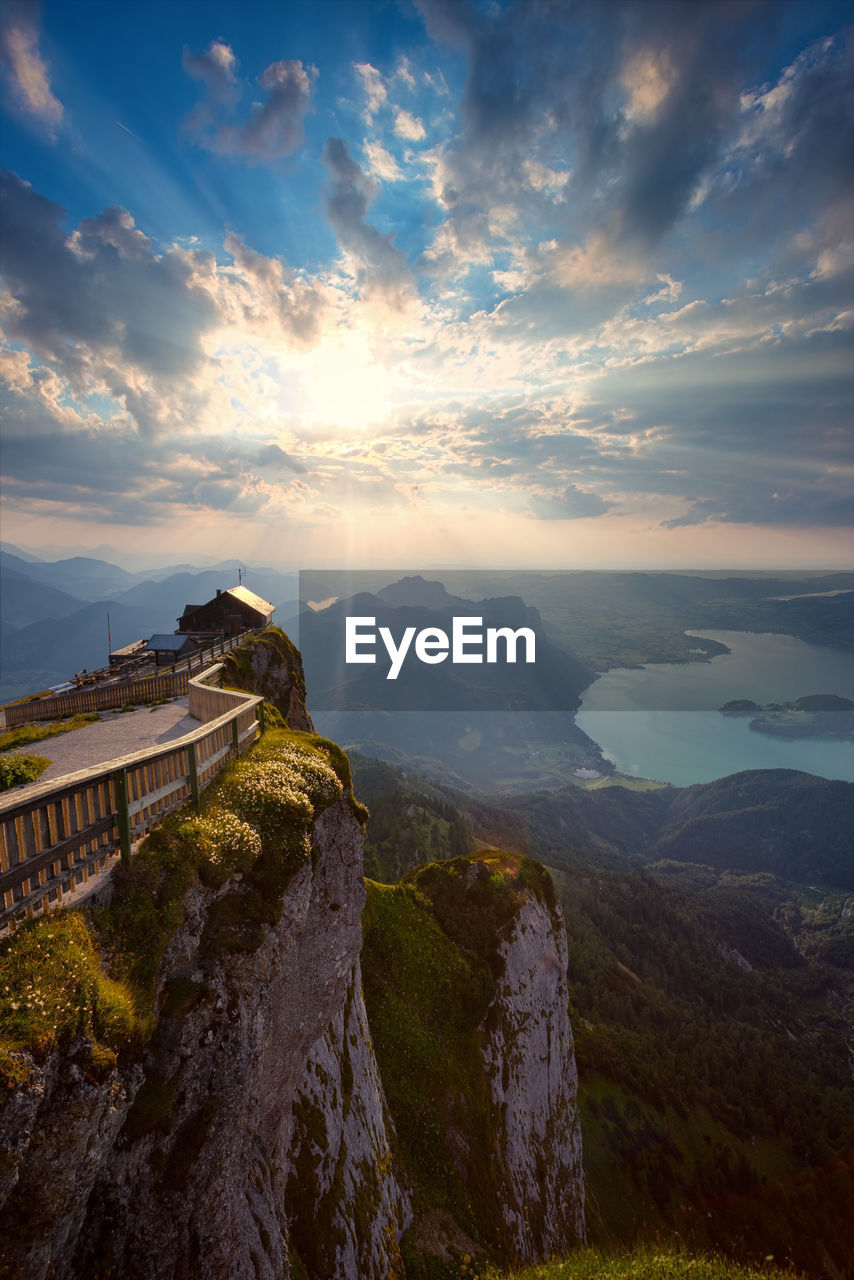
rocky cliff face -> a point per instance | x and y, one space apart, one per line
465 981
250 1137
270 664
176 1166
530 1062
344 1192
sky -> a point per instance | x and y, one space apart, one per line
429 282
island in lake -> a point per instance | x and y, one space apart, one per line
819 715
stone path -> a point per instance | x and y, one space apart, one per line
118 733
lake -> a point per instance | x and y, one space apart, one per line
661 721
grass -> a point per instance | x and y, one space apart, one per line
17 770
53 987
65 975
38 732
277 789
429 964
646 1263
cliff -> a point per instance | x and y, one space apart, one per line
270 664
465 985
191 1086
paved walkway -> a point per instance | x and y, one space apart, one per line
118 733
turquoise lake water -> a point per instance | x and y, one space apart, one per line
662 722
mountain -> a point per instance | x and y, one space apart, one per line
417 590
47 652
780 821
712 1007
38 653
226 1068
22 600
12 550
179 589
626 618
483 1062
80 576
552 682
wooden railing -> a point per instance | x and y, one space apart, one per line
59 833
171 684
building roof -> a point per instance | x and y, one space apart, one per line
128 649
167 642
245 596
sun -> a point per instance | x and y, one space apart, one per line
344 385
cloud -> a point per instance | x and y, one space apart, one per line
53 458
216 68
381 268
271 294
409 126
570 503
26 72
100 303
274 128
381 162
376 94
642 104
274 458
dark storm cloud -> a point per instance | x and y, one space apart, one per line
382 266
274 128
104 289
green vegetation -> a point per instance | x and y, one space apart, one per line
269 664
429 969
818 715
716 1094
27 733
663 1262
15 770
53 987
780 821
412 822
65 975
255 819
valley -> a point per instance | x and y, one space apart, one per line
711 994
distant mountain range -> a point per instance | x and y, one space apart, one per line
53 614
553 681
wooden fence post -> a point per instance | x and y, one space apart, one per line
194 772
235 736
120 780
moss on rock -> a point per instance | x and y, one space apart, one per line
430 963
270 664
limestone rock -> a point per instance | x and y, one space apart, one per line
347 1203
530 1061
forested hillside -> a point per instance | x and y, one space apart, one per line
711 937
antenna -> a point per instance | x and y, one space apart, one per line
240 573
